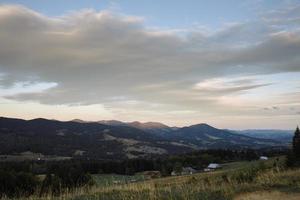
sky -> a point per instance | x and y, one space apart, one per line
232 64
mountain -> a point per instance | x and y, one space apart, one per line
92 139
152 127
279 135
206 136
79 121
118 141
112 122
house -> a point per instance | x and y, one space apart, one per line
188 170
185 171
151 174
212 167
263 158
173 173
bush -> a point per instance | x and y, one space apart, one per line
14 184
65 177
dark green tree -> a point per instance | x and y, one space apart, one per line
16 184
296 143
178 168
51 185
293 159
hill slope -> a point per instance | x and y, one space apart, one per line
262 181
279 135
205 136
93 140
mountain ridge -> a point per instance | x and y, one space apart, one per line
102 141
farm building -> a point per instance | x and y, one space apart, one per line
263 158
212 166
151 174
188 170
185 171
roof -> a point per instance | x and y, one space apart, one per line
213 166
190 169
263 157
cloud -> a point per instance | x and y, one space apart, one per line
227 85
93 57
284 17
21 88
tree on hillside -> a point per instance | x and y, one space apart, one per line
293 159
296 143
178 168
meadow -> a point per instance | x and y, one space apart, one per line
235 181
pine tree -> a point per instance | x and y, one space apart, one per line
296 143
293 159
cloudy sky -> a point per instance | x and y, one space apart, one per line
232 64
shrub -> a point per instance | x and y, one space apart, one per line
14 184
65 177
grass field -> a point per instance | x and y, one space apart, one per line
236 181
105 180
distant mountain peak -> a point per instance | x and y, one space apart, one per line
112 122
78 121
202 125
148 125
40 119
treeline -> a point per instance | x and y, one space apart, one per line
197 159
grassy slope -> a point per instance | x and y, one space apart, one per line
109 180
236 181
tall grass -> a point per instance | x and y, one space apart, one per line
219 185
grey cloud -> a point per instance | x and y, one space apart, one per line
284 16
223 86
96 56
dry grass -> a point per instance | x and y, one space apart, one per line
273 195
216 185
240 183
